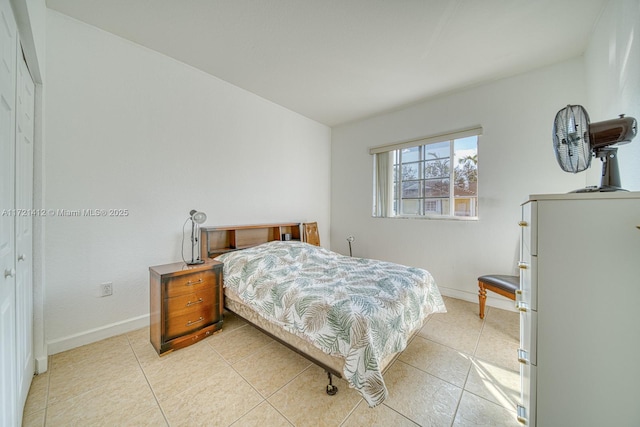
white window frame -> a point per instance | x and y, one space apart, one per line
383 197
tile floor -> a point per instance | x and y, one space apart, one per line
459 371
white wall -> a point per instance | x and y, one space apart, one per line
128 128
516 159
613 80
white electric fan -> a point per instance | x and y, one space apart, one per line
576 140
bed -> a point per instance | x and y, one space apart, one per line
352 316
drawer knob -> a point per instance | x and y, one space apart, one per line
523 266
190 303
189 323
190 283
523 223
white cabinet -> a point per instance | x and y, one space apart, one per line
580 292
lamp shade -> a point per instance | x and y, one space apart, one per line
198 217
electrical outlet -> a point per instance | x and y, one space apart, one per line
106 289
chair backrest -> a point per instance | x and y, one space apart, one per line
310 233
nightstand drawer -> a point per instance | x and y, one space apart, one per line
193 338
185 304
189 283
191 321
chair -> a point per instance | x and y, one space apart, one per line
500 284
310 233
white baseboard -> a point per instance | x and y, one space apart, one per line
497 301
42 364
97 334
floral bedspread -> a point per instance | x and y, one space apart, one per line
358 308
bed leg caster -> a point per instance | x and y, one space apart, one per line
331 389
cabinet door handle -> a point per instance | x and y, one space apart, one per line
522 414
522 306
9 272
190 283
189 323
523 356
190 303
523 266
523 223
22 257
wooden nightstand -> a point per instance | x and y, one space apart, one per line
186 304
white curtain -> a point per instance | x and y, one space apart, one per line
383 179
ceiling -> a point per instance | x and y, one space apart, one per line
337 61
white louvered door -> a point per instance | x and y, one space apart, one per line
25 98
8 45
17 98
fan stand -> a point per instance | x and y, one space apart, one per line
610 179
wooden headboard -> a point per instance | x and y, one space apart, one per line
218 240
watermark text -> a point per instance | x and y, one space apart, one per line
65 212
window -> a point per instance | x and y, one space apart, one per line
430 177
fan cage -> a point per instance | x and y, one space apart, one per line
571 139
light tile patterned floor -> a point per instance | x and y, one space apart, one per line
459 371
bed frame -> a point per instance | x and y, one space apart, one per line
216 240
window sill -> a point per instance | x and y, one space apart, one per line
432 217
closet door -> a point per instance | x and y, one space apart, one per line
8 45
25 100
